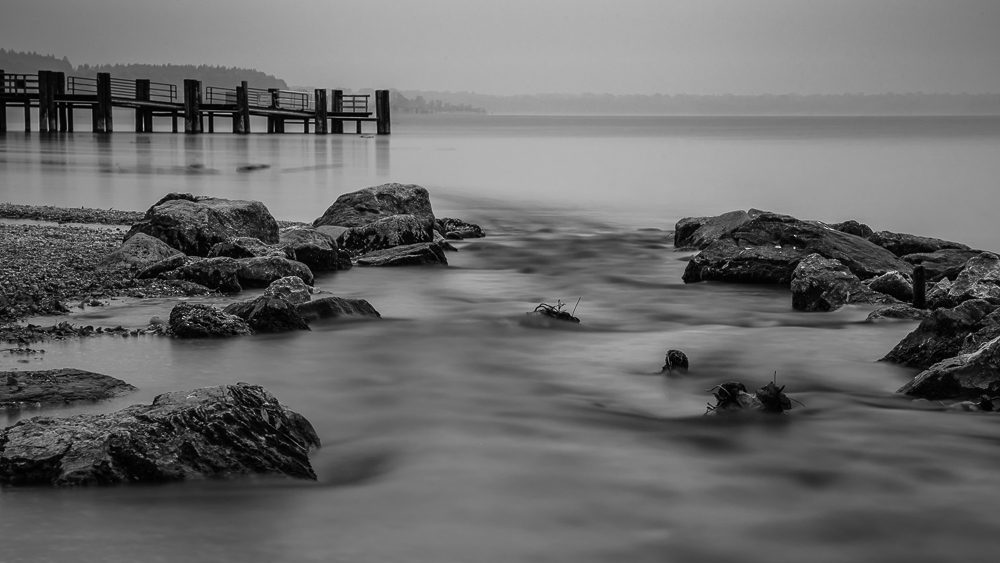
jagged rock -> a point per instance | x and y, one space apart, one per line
901 312
700 232
457 229
198 320
443 242
163 266
214 273
331 307
963 376
767 249
386 232
57 386
942 334
852 227
366 206
979 279
268 314
902 244
226 431
248 247
316 248
675 360
193 224
819 284
138 252
410 255
893 284
262 271
945 263
289 288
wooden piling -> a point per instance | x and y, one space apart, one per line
211 122
192 106
919 287
242 108
319 102
275 124
142 95
382 124
337 126
62 109
44 100
3 104
105 117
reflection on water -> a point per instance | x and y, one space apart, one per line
455 431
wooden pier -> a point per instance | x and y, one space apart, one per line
56 96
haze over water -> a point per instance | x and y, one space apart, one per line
456 430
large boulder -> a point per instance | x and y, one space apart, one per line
767 249
214 273
57 386
262 271
965 376
945 263
457 229
225 431
248 247
819 284
893 284
902 244
699 232
268 314
386 232
852 227
139 252
193 224
332 307
366 206
289 288
199 320
979 279
410 255
163 266
316 248
942 334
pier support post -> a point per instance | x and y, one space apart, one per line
3 104
242 116
44 100
382 112
337 126
142 95
319 101
192 106
275 124
105 119
919 287
62 109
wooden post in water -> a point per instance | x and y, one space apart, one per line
243 108
142 95
105 117
919 287
337 126
3 104
319 101
192 106
382 112
211 122
44 100
277 123
62 109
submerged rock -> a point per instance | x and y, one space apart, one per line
198 320
899 312
942 334
902 244
57 386
194 224
963 376
289 288
410 255
733 396
225 431
139 252
819 284
457 229
263 271
675 361
268 314
332 307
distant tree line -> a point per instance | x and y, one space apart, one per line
419 104
15 62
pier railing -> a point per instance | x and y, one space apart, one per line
81 86
23 84
356 103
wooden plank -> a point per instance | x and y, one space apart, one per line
383 126
336 125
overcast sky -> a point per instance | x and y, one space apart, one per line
536 46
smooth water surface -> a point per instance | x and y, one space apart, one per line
456 429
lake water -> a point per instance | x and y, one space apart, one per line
456 431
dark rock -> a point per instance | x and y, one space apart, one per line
852 227
386 232
945 263
699 232
268 314
316 248
57 386
139 252
198 320
366 206
675 360
225 431
332 307
262 271
457 229
962 376
248 247
819 284
410 255
902 244
443 242
979 279
893 284
942 334
163 266
767 249
193 224
290 288
214 273
901 312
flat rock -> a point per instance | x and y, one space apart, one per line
366 206
213 432
767 249
219 273
200 320
332 307
57 386
945 263
264 270
964 376
820 284
139 252
194 224
942 334
268 314
700 232
316 248
410 255
898 312
289 288
902 244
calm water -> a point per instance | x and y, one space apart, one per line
455 431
